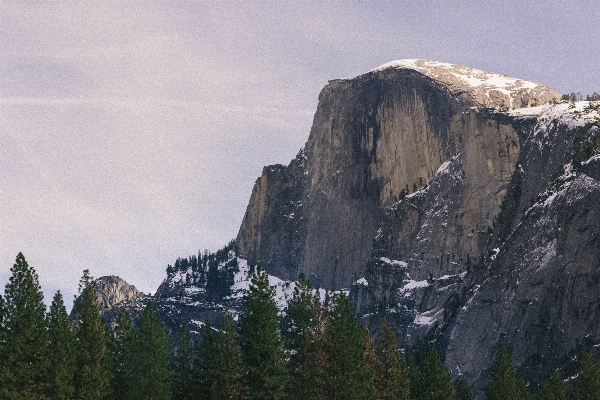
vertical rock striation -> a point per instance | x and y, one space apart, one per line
446 198
375 139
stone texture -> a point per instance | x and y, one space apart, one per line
423 193
376 138
112 290
460 220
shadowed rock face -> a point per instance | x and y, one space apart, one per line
375 139
464 224
455 215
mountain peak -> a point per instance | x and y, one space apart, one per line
483 88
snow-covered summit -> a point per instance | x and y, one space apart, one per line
484 88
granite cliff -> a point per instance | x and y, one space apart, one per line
445 198
460 203
375 139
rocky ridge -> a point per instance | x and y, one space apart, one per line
421 188
457 202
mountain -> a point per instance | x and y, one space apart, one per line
460 203
446 198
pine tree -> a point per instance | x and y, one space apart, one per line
125 364
435 379
370 355
93 358
61 351
153 375
506 385
184 377
262 345
414 377
587 384
348 376
219 361
464 391
2 331
392 381
24 354
304 329
553 388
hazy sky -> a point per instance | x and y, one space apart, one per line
131 133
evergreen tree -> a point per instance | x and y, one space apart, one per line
305 332
93 359
506 385
61 351
23 373
153 374
414 377
553 388
435 379
464 390
370 355
587 384
219 361
125 364
348 375
2 333
392 381
262 345
184 379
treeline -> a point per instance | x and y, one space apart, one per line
315 351
50 356
203 270
579 97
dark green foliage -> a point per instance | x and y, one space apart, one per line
124 357
93 353
435 379
153 375
24 368
594 97
391 373
553 388
587 384
219 281
2 331
370 353
184 378
583 149
305 333
348 375
262 345
464 390
219 362
506 385
414 377
61 351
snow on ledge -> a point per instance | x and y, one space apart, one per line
395 263
362 281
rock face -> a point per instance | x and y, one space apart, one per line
459 203
114 294
448 199
377 138
112 290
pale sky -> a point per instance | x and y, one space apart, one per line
131 133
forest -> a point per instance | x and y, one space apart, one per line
313 350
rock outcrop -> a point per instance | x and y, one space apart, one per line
461 204
375 139
448 199
112 290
